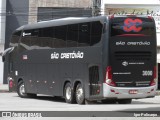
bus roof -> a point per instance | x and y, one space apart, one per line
69 20
58 22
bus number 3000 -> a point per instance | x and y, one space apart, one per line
147 73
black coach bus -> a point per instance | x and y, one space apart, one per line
85 59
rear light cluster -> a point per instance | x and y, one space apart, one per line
10 80
10 83
111 16
150 17
110 82
108 78
153 82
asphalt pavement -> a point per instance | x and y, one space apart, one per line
11 101
4 88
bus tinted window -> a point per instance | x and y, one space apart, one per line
34 38
132 25
72 35
30 38
60 36
96 32
16 37
46 37
26 37
84 34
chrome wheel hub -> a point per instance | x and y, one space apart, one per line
68 93
79 93
22 89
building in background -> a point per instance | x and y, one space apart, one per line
21 12
40 10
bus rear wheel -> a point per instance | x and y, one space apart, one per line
21 90
80 94
68 93
124 101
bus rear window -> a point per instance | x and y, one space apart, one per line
132 26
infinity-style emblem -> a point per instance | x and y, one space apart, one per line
132 25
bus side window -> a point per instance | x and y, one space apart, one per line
60 36
29 38
84 34
26 38
34 38
72 35
46 37
15 37
96 32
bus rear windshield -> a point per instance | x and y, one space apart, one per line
132 26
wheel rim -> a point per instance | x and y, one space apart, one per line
68 93
79 94
22 89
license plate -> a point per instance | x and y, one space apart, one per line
133 91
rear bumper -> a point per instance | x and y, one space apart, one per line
123 93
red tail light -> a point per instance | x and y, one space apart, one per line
153 82
111 17
108 79
109 72
150 17
10 83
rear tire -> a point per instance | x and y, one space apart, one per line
109 101
80 94
21 90
88 102
68 94
31 95
124 101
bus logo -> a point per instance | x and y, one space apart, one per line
25 34
131 25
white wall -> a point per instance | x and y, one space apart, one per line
1 65
2 20
2 34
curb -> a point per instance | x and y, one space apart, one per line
4 88
4 91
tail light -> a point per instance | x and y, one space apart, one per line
111 17
108 79
150 17
153 82
11 83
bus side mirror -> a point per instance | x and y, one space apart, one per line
3 58
6 52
